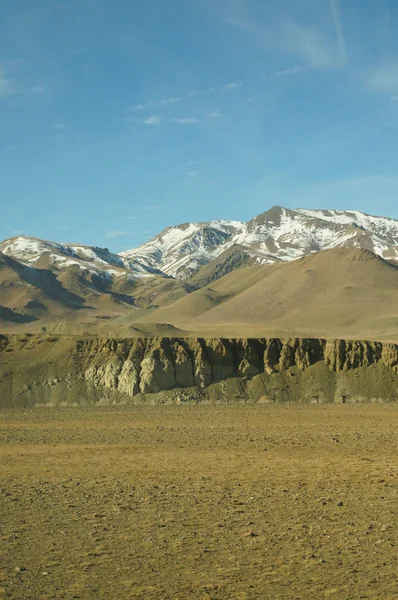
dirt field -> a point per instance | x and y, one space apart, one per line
199 502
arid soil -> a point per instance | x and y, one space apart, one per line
199 502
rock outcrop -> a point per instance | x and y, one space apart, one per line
108 370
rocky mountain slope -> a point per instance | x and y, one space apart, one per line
38 292
59 370
98 261
285 272
277 235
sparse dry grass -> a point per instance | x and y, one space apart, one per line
199 502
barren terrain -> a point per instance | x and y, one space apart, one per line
201 502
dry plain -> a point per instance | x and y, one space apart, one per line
202 502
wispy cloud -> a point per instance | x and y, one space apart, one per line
197 163
384 77
202 92
285 35
213 114
154 120
185 120
168 101
157 104
308 44
110 235
230 86
158 119
338 26
295 70
39 89
7 87
394 98
11 86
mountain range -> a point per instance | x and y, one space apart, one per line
227 277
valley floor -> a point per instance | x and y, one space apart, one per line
199 502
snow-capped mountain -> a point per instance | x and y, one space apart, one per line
277 235
180 251
98 261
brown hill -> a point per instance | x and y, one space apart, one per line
32 298
336 293
340 293
229 260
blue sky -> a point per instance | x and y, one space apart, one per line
119 118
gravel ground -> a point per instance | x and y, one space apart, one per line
199 502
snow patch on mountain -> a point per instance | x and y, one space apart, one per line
277 235
99 261
180 251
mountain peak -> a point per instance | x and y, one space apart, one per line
278 234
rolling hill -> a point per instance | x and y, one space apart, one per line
335 293
286 272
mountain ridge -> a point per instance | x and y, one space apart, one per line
302 272
276 235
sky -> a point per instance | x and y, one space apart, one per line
118 119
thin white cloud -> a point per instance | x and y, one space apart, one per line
39 89
394 98
6 86
157 120
213 114
338 27
196 163
150 207
110 235
10 86
308 44
202 92
185 120
296 70
158 104
230 86
252 99
133 218
384 78
154 120
286 36
168 101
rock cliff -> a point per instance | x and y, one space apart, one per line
44 370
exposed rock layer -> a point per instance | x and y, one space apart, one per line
37 370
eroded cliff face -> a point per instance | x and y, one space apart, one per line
40 370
